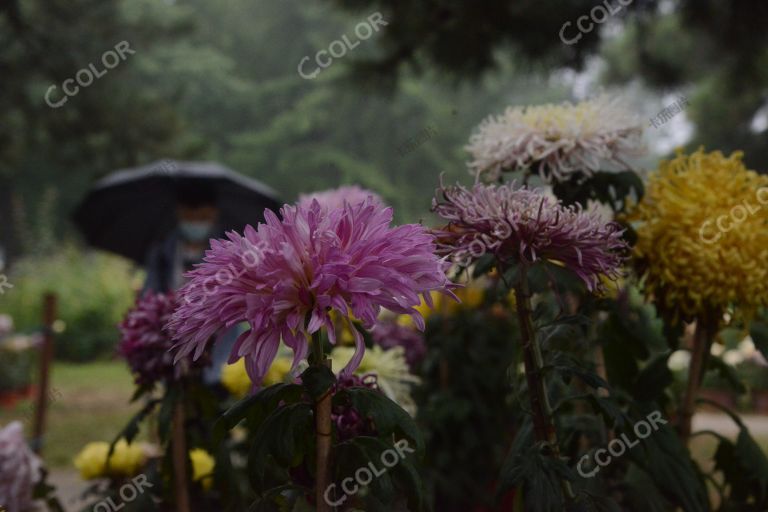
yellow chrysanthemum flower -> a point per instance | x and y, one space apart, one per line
703 235
126 460
278 371
202 467
236 380
471 296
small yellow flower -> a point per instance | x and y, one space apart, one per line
278 371
471 297
703 236
126 460
92 460
236 380
202 467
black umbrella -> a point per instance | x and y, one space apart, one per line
129 210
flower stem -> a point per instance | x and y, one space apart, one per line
700 350
323 431
179 454
543 424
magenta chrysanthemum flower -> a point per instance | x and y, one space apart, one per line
19 469
145 343
390 334
336 197
297 270
525 225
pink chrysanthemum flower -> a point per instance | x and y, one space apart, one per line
526 225
336 197
19 469
145 342
299 269
557 141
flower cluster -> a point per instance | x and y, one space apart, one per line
126 460
689 270
145 343
315 261
19 469
337 197
525 225
556 140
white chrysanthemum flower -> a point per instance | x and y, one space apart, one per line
19 469
733 357
679 361
391 370
557 141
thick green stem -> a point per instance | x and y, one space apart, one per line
543 424
323 431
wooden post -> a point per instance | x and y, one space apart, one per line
46 355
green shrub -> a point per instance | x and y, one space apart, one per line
94 290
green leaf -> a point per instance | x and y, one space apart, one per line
388 417
745 469
262 402
653 379
131 430
568 367
668 463
759 333
286 435
483 265
539 476
318 380
612 413
727 373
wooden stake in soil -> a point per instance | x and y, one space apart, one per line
46 355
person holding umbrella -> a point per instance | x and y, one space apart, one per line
197 216
163 215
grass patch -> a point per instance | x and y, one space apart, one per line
88 402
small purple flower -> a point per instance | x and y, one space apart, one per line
337 197
349 422
19 469
527 226
145 343
389 334
312 262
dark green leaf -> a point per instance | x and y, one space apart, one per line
387 416
318 380
759 333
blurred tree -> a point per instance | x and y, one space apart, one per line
109 124
716 48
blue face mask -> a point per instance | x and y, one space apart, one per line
195 231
